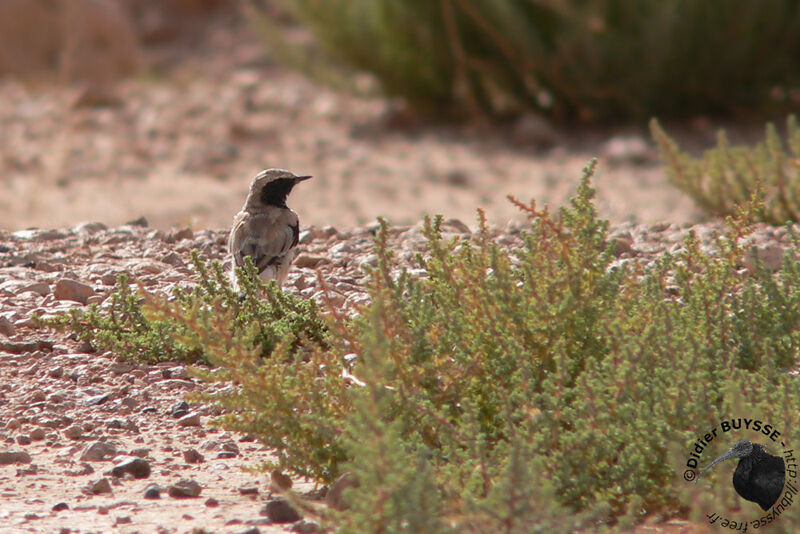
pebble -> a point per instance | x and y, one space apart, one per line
14 457
98 451
185 487
100 486
73 431
138 467
280 481
68 289
190 419
248 490
334 498
305 526
179 409
58 507
280 511
191 456
152 491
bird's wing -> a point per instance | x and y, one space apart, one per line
266 236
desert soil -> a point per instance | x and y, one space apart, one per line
180 150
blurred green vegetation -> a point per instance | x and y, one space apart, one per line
572 59
727 176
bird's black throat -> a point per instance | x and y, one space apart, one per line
275 192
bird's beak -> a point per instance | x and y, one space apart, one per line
727 456
301 178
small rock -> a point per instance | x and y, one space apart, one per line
334 498
456 226
141 452
140 222
771 255
248 490
192 456
534 129
73 431
138 467
123 520
308 261
190 419
152 492
37 434
249 530
23 439
14 457
211 502
97 399
7 327
98 451
68 289
623 244
280 511
58 507
185 487
179 409
305 526
280 481
627 149
100 486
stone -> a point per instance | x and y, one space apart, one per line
308 261
138 467
211 502
37 434
185 487
305 526
98 451
68 289
152 491
770 254
533 129
627 149
73 432
179 409
192 456
97 399
280 511
7 327
60 506
100 486
190 419
280 481
14 457
335 498
248 490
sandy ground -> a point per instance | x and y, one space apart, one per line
181 149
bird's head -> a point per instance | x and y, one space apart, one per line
271 187
739 450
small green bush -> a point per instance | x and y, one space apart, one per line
258 316
597 59
548 387
727 176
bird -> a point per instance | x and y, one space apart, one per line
266 229
759 477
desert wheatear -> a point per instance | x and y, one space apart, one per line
266 229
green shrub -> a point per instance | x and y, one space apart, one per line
547 387
258 316
572 59
726 176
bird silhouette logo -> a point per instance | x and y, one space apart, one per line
759 477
